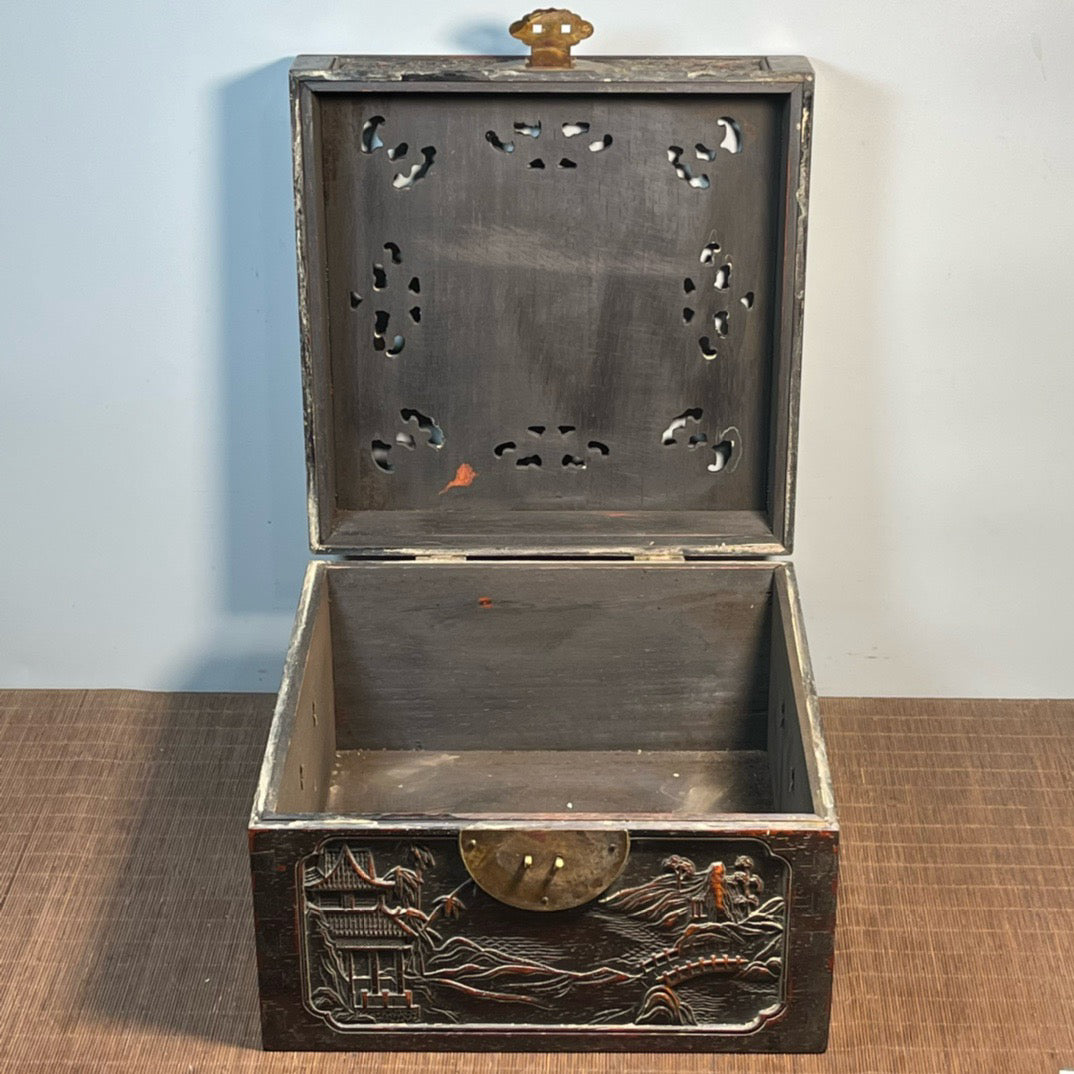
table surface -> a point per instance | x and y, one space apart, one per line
125 917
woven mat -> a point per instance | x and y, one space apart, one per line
126 930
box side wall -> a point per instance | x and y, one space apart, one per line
787 611
788 723
303 785
298 690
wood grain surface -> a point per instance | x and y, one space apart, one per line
544 781
494 355
125 915
654 658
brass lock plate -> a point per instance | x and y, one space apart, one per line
539 869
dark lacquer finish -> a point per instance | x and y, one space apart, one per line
520 706
700 944
546 769
551 312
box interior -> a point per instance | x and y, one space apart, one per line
547 689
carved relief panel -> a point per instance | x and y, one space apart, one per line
692 933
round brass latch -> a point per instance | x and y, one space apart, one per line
541 869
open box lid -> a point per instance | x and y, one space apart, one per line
551 312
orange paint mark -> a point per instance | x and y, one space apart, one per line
485 602
463 479
716 884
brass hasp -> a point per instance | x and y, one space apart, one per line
551 32
543 869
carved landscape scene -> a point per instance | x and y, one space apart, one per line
401 934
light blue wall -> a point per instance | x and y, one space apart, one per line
152 521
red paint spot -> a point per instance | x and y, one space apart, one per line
463 479
485 602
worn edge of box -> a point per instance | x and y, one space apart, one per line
514 69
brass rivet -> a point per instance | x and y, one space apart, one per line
527 861
558 863
544 898
471 844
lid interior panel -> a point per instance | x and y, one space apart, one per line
553 320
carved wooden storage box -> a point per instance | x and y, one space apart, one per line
546 769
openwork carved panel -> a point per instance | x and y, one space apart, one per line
527 294
692 933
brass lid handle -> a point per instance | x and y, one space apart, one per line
550 33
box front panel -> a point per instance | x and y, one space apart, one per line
717 943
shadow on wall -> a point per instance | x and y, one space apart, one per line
260 452
486 37
237 667
260 462
848 365
261 449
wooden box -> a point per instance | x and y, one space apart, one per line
546 770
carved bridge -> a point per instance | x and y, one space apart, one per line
686 971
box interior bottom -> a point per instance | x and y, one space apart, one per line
550 781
